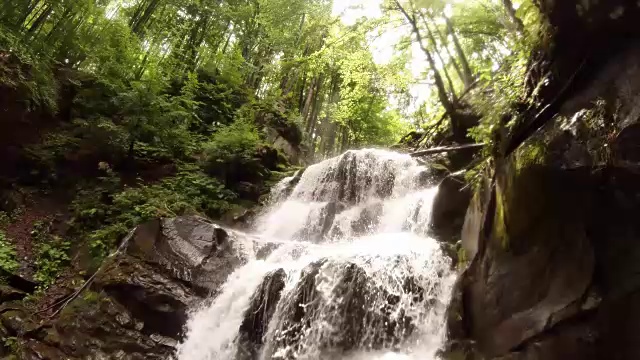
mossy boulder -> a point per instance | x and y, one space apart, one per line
137 306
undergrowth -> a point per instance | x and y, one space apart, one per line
105 216
51 253
8 255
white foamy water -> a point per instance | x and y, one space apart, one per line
363 278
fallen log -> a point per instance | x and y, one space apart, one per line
446 149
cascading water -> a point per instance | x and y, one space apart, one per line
352 272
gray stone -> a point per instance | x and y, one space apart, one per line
137 305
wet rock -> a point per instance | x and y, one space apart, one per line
154 300
472 226
453 252
361 314
457 329
8 293
345 175
259 314
291 151
449 209
290 186
573 341
15 319
248 191
191 249
585 35
626 146
17 282
34 350
359 176
460 350
244 218
93 328
5 349
283 134
319 225
263 250
137 306
368 220
555 273
538 230
268 157
291 327
615 231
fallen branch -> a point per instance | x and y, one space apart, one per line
446 114
67 300
546 114
445 149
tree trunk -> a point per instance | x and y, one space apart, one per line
442 91
226 43
143 64
141 17
511 11
58 24
468 74
444 65
301 97
40 20
317 105
195 40
29 10
344 143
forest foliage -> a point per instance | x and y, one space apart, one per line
478 55
162 107
165 107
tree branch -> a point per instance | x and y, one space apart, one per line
446 149
442 91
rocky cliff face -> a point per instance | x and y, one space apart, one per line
137 305
553 238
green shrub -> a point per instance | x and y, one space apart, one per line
52 253
5 218
29 75
238 140
230 155
51 258
106 216
8 255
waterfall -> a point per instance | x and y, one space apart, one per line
352 272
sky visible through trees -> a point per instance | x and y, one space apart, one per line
350 74
156 108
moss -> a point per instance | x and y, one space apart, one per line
500 222
535 203
530 154
52 337
463 258
87 300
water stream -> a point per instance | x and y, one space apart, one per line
352 272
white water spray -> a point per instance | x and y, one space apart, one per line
361 279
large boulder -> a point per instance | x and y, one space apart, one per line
586 32
552 239
190 249
449 209
358 313
538 231
259 313
138 303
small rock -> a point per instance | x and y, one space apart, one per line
16 321
8 293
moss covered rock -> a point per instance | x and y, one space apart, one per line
137 306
